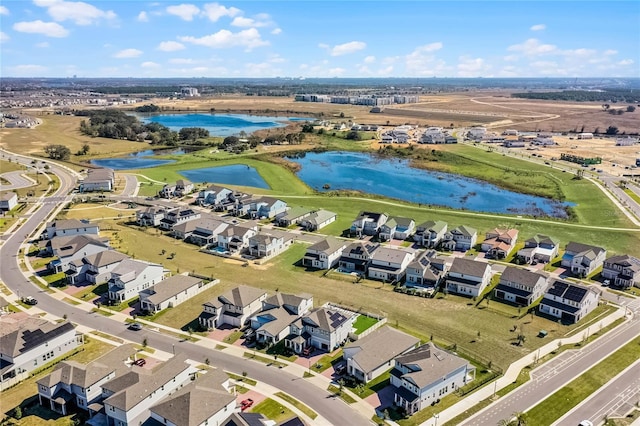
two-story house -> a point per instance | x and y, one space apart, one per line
429 234
202 232
266 208
623 270
569 302
356 257
235 238
539 248
272 323
214 196
233 307
74 248
131 276
69 228
583 259
462 238
172 291
521 286
266 245
389 264
324 254
499 242
427 270
427 374
101 179
178 216
399 228
368 223
151 216
27 344
318 220
372 355
322 328
95 268
468 277
293 216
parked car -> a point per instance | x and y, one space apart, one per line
140 362
246 403
135 326
585 423
29 300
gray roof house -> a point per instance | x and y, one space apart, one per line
462 238
202 231
172 291
293 216
583 259
568 301
468 277
389 264
131 276
70 227
372 355
399 228
233 307
278 312
324 254
426 270
101 179
624 270
318 220
322 328
356 257
539 248
74 248
520 286
95 268
368 223
429 234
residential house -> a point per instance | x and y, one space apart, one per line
293 216
250 419
324 254
8 201
172 291
167 191
521 286
128 398
427 374
426 270
131 276
539 248
266 245
322 328
74 248
214 196
622 270
183 187
178 216
79 385
318 220
27 344
468 277
369 357
95 268
462 238
389 264
233 307
70 227
429 234
499 242
207 400
583 259
399 228
272 323
202 232
4 305
151 216
356 257
368 223
569 302
266 207
235 238
98 180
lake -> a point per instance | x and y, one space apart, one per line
138 160
237 174
394 178
219 124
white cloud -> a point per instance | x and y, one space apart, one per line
182 61
472 67
579 53
185 12
511 58
610 52
4 37
149 64
215 11
345 48
276 59
49 29
170 46
143 17
369 59
249 39
532 47
4 10
80 13
336 72
538 27
128 53
28 70
43 45
260 20
386 71
422 61
626 62
276 31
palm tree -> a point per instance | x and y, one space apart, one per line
520 418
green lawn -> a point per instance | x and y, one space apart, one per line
633 195
273 410
326 361
555 406
363 322
92 291
373 386
343 395
299 405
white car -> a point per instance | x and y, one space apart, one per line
585 423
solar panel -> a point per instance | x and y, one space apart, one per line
558 288
336 319
575 294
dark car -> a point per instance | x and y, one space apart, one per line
139 362
135 326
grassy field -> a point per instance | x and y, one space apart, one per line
299 405
273 410
363 322
579 389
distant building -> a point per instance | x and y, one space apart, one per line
98 180
189 92
585 135
8 201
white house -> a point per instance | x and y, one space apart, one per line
235 238
95 268
585 135
233 307
462 238
623 270
266 245
266 207
74 248
324 254
569 302
521 286
430 233
468 277
98 180
426 270
151 216
214 195
131 276
8 201
399 228
322 328
172 291
318 220
427 374
389 264
583 259
293 216
27 344
70 227
178 216
540 248
356 257
272 323
372 355
368 223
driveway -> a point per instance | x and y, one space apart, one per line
381 399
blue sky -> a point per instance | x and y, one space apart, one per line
62 38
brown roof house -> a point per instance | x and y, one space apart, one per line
234 307
499 242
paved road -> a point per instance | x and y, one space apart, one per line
332 409
556 373
16 180
130 186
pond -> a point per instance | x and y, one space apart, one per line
394 178
138 160
219 124
237 174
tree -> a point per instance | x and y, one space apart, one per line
307 128
611 130
631 108
605 106
520 418
57 152
353 135
84 150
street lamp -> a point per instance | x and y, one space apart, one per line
436 416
